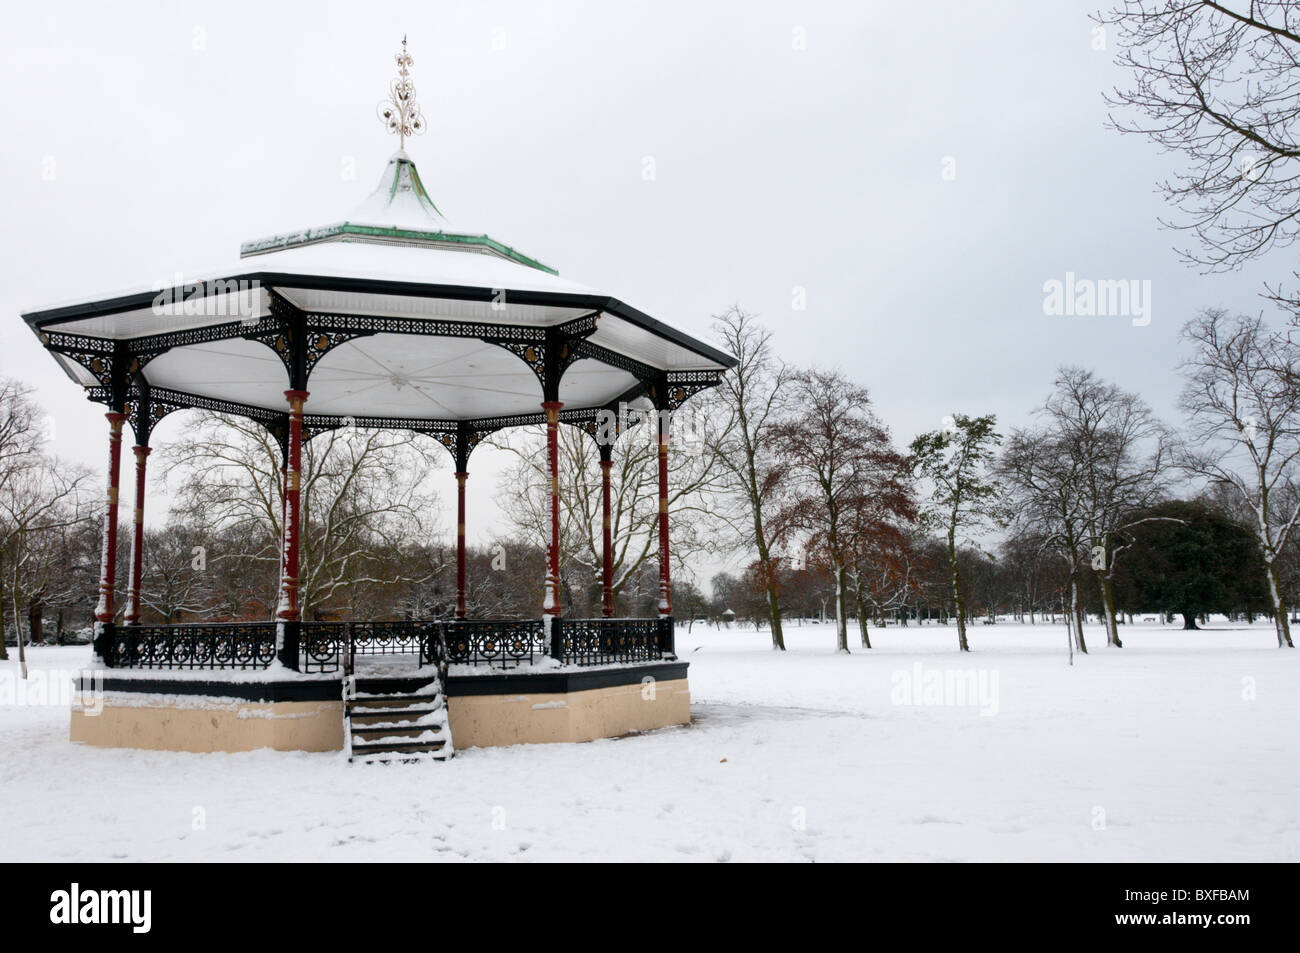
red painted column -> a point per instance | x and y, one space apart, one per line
288 609
460 543
551 605
665 582
137 539
284 506
108 556
284 509
607 546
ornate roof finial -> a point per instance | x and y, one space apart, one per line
400 112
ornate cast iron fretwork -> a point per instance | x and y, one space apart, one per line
163 401
221 646
358 324
320 341
142 413
614 641
579 327
324 646
94 354
680 386
501 644
529 344
320 646
458 438
175 400
641 371
299 340
145 349
594 422
279 332
532 353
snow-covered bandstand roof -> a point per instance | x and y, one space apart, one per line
389 317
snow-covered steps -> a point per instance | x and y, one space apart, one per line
393 720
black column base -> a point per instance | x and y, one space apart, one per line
287 635
104 642
557 638
667 637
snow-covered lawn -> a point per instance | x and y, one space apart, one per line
1181 746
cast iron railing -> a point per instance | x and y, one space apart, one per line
611 641
238 645
499 644
322 644
331 646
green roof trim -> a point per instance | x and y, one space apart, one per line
341 231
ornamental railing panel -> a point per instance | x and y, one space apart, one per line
229 645
614 641
496 643
322 645
386 638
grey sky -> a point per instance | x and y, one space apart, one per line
177 131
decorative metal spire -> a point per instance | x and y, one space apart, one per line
400 112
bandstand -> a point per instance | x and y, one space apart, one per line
389 319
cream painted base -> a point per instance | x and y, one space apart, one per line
240 726
491 720
476 720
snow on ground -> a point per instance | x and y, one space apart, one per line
1180 747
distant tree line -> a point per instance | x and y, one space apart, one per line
1096 507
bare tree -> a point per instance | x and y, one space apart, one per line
883 572
752 392
694 483
175 581
38 502
363 491
1043 472
1122 457
1029 576
842 466
40 499
1215 82
1244 407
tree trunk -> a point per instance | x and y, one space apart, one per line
18 634
1189 620
773 607
1279 608
862 622
1108 611
1076 616
841 619
958 598
4 652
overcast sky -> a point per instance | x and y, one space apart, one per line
799 150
